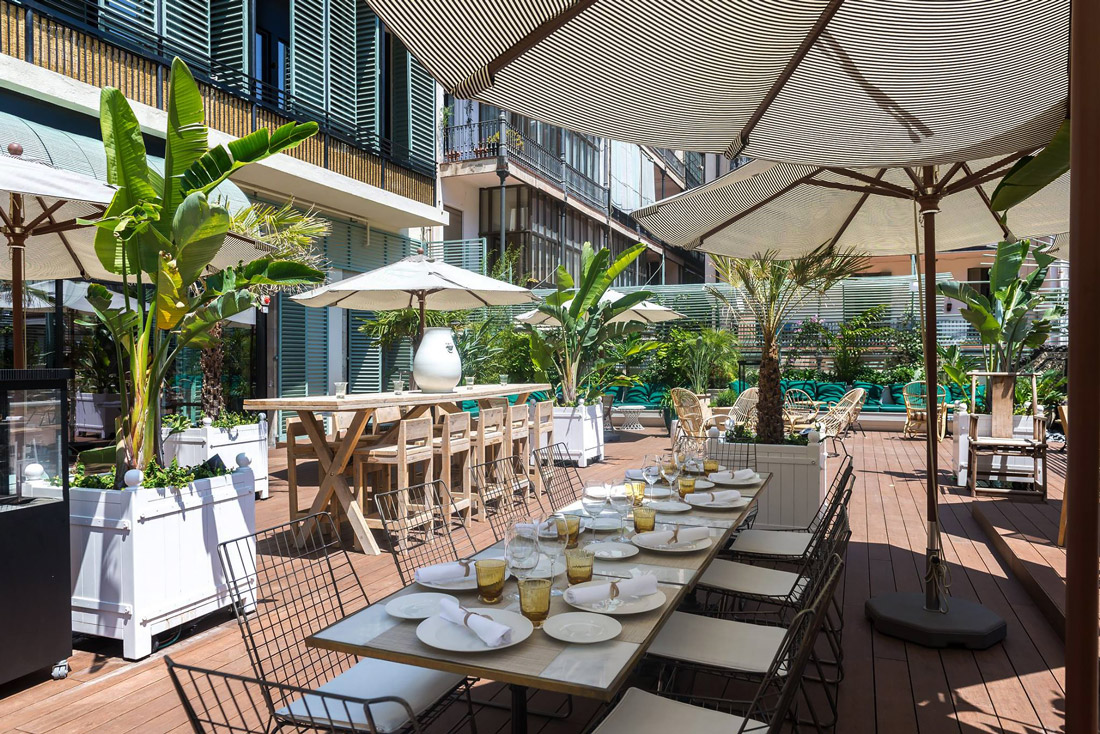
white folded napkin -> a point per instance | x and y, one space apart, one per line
491 632
444 572
744 475
643 585
722 496
680 535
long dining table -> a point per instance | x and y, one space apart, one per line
334 457
596 671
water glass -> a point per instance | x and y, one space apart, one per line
490 579
578 565
521 550
341 389
644 519
686 485
504 379
621 503
670 469
470 381
398 383
594 500
651 469
552 543
534 600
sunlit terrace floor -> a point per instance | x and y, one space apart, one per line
891 687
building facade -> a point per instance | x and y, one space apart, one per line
560 189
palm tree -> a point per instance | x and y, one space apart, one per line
772 290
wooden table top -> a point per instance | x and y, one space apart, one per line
595 671
370 401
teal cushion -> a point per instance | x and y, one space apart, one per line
830 392
783 385
956 392
643 394
891 408
808 386
540 396
872 407
874 392
896 393
471 407
739 386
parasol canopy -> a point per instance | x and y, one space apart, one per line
646 312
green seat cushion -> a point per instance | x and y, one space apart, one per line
830 392
808 386
739 386
874 392
540 396
896 390
891 408
784 385
643 394
872 407
470 406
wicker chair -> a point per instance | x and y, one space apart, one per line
799 409
694 417
916 410
744 405
837 423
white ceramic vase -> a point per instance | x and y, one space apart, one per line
437 366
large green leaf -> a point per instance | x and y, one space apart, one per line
1006 264
1032 173
219 162
172 301
186 136
273 272
198 232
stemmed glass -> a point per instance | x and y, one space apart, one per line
622 504
651 469
552 545
521 550
593 501
670 469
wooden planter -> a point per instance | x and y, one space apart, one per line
1021 426
799 482
196 445
96 413
580 428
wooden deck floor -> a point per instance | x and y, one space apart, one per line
890 687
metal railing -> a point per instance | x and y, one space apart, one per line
469 254
94 22
676 164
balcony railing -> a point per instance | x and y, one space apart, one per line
76 41
675 164
481 141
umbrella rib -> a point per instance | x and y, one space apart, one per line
68 247
972 180
485 77
792 65
860 189
950 174
47 211
989 205
872 180
458 285
855 210
763 202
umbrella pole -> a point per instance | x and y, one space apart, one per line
17 240
423 322
929 206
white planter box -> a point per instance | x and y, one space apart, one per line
1022 426
798 485
95 413
197 445
145 560
581 430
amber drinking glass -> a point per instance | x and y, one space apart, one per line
578 565
570 527
637 491
644 519
710 465
686 485
490 579
534 600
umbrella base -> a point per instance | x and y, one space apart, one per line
965 624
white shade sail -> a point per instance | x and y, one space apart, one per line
646 312
859 82
793 209
407 282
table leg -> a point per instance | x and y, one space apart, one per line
333 465
519 709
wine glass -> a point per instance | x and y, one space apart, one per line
594 500
521 550
651 469
670 469
552 542
621 503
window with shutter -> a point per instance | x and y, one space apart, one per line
308 30
368 90
187 32
342 86
421 114
229 42
302 351
400 120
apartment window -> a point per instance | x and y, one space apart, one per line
979 280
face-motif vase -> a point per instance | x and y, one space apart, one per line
437 366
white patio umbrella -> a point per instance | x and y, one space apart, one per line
793 209
420 282
647 312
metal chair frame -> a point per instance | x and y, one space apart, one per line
560 480
497 484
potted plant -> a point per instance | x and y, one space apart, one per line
773 289
1006 327
97 403
145 537
570 354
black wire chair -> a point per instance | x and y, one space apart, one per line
560 479
733 456
503 493
293 580
421 527
217 702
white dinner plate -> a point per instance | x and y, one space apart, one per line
583 628
726 478
416 606
703 485
641 540
603 522
439 633
468 583
698 468
622 605
669 506
542 570
735 505
657 493
611 551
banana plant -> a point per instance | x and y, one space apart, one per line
1009 320
161 233
570 351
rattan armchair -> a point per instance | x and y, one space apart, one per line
836 424
916 410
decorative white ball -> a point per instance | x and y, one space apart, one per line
133 477
713 432
34 471
207 421
243 460
814 437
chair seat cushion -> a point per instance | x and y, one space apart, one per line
721 643
419 687
874 391
772 542
746 578
891 409
640 711
830 392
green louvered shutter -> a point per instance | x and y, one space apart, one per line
400 74
308 30
303 351
130 19
342 91
364 359
367 30
230 45
187 31
421 115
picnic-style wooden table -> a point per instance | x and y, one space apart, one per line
596 671
334 459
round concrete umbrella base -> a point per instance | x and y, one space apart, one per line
965 624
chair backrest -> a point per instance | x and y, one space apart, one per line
544 416
421 528
490 420
414 435
1001 397
1063 418
914 394
842 476
825 524
300 580
798 399
733 456
217 702
455 429
384 416
503 492
519 418
560 478
843 414
689 411
486 403
782 683
745 401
